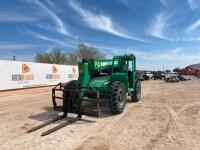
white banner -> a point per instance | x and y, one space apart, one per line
16 74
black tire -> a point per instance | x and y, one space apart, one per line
117 98
71 85
136 95
72 98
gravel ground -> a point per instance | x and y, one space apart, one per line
167 117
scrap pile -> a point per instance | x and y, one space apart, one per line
192 70
174 77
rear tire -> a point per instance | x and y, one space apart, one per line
136 95
117 98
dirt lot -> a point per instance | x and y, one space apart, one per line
167 117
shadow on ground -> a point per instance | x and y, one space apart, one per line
49 113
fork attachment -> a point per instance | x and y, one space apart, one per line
70 105
74 103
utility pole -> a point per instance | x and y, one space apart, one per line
14 58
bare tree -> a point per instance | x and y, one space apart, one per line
72 59
176 69
83 51
55 56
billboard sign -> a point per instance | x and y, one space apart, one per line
16 74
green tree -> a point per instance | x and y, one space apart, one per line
55 56
83 51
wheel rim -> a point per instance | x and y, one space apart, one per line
120 98
138 92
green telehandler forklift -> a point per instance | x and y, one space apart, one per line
109 79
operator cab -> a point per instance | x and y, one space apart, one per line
123 69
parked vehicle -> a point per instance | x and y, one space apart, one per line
171 77
158 75
140 75
110 79
149 74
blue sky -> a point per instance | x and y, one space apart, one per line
161 33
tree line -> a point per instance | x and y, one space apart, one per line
56 56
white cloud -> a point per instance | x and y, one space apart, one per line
175 55
51 4
46 38
184 39
176 51
100 22
131 3
14 46
168 59
127 3
14 16
60 27
158 26
194 4
100 47
163 2
193 27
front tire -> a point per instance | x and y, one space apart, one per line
71 96
117 98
